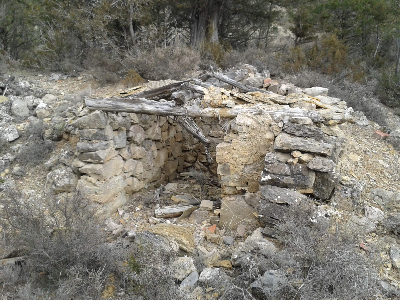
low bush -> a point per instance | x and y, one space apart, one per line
173 62
37 148
322 259
257 57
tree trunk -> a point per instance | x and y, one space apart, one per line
204 23
199 26
130 24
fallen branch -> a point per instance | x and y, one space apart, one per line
243 87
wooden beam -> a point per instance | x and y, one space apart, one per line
168 108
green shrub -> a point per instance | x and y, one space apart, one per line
388 89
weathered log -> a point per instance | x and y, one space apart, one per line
161 92
172 211
195 88
11 261
168 108
237 84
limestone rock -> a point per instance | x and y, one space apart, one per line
154 132
19 108
208 275
185 199
3 99
104 171
324 185
95 120
93 146
296 176
10 133
182 267
101 191
321 164
105 134
98 157
136 134
133 167
151 240
137 152
42 111
269 285
395 256
190 280
374 214
235 211
133 185
280 195
316 91
286 142
183 236
255 243
360 224
206 205
119 139
49 98
301 130
61 180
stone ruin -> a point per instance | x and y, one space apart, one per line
272 147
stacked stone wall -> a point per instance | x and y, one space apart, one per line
122 153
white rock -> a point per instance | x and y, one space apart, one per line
316 91
10 133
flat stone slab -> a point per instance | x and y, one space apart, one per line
287 142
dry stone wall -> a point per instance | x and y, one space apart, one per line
121 153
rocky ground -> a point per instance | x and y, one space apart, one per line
366 199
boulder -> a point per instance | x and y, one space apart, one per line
101 191
42 111
182 267
9 133
190 280
98 157
19 108
61 180
235 211
270 285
